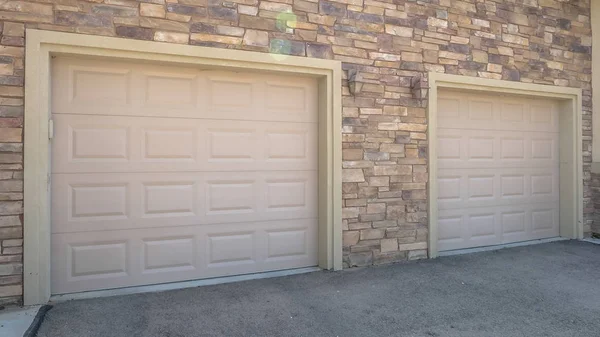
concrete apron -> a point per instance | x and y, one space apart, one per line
22 321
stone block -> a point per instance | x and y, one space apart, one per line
256 38
172 37
135 32
152 10
371 234
389 245
360 259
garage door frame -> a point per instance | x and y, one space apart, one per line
42 45
570 147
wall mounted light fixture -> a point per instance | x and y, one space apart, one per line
355 82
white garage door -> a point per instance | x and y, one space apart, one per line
497 170
166 173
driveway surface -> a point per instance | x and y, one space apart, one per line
550 289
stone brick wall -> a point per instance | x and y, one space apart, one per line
392 42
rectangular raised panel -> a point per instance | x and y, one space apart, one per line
480 110
168 173
231 248
169 254
481 224
541 114
541 184
481 187
169 144
98 143
512 185
99 259
512 148
448 108
448 188
286 98
542 219
169 199
229 94
286 194
481 148
513 222
100 86
288 145
98 202
176 92
449 147
449 227
512 112
286 243
231 197
231 144
542 148
497 169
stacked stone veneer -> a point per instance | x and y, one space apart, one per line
393 43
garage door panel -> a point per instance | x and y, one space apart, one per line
496 149
458 110
498 169
131 144
127 89
105 260
494 225
167 91
90 202
487 187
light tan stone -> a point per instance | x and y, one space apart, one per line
480 56
14 29
352 175
171 37
11 135
435 22
413 246
389 245
256 38
215 38
399 31
515 39
350 238
371 234
152 10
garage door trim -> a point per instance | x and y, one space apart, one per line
570 124
42 45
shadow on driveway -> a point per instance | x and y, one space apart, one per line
548 289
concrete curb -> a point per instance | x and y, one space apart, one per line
592 240
37 321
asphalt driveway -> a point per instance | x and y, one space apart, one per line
549 289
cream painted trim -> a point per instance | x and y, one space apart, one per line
41 45
571 160
595 21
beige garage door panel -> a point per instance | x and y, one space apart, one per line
498 170
163 174
134 144
459 188
102 201
486 226
126 89
496 149
495 112
120 258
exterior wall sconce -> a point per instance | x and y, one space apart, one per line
355 82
